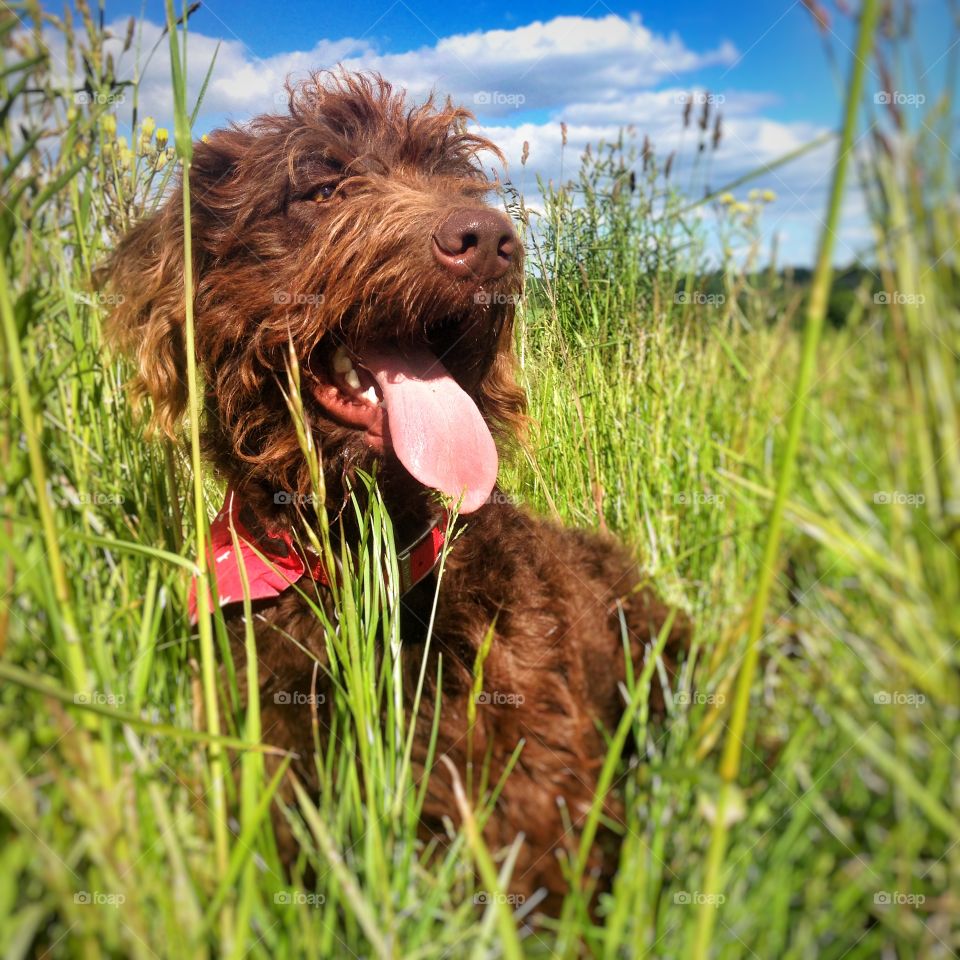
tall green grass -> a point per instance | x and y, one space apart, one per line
661 396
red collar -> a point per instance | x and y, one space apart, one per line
273 562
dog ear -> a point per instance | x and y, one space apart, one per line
144 276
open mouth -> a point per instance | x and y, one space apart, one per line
403 398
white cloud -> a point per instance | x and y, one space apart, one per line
543 65
547 64
241 84
595 74
749 142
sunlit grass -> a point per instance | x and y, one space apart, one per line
659 414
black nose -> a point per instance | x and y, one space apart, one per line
475 242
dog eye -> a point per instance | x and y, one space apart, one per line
324 192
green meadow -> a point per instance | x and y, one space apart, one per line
780 448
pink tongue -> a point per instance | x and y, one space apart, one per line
436 429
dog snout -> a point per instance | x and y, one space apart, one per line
475 243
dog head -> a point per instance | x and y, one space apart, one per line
353 230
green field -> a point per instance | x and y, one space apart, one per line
804 797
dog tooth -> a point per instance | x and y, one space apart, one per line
353 381
341 360
370 394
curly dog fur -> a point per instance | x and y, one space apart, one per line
312 230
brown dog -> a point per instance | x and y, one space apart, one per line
355 228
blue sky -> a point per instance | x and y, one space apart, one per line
778 40
596 66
